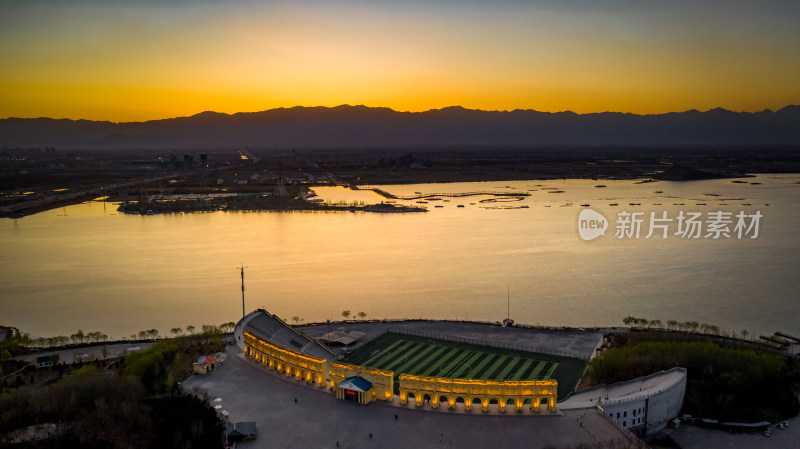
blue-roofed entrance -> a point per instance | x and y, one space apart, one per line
356 389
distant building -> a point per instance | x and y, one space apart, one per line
47 361
204 364
239 431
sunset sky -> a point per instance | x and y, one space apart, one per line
131 61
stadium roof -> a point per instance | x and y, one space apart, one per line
344 338
276 331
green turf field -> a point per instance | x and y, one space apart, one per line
434 360
432 357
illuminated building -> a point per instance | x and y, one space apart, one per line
276 345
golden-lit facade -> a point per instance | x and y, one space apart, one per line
435 390
513 392
382 380
312 370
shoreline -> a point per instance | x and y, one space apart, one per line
33 206
323 325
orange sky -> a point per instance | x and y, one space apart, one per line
125 61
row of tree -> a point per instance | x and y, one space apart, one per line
80 336
691 326
62 340
154 334
346 314
727 380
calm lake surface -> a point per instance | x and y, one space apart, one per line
88 267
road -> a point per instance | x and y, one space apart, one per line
71 355
86 191
689 436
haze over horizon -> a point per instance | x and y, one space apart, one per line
135 61
378 108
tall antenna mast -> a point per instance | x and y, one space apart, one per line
242 268
508 321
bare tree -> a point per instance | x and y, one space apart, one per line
228 327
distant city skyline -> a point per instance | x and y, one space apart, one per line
135 61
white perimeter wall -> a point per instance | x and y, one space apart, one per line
656 409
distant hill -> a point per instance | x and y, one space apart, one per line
361 126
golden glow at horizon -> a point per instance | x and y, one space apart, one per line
127 62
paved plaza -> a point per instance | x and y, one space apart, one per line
249 392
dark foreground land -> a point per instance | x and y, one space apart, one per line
122 402
35 179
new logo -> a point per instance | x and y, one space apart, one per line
591 224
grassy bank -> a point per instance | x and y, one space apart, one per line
727 380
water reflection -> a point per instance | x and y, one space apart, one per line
123 273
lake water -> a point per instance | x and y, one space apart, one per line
88 267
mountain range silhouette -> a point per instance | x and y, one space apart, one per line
362 126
